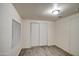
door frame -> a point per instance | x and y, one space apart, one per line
39 33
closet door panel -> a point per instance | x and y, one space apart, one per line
43 34
35 29
16 33
75 36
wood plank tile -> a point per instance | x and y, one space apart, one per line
43 51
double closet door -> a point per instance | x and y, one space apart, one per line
39 34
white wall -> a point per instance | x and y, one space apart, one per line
67 34
26 32
7 13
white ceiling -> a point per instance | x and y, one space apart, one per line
42 11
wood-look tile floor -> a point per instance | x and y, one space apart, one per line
43 51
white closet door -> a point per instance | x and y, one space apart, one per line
43 34
35 35
74 42
16 33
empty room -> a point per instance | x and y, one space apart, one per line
39 29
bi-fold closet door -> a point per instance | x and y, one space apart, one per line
35 33
39 34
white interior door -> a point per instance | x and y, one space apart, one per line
35 34
43 34
74 42
16 33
